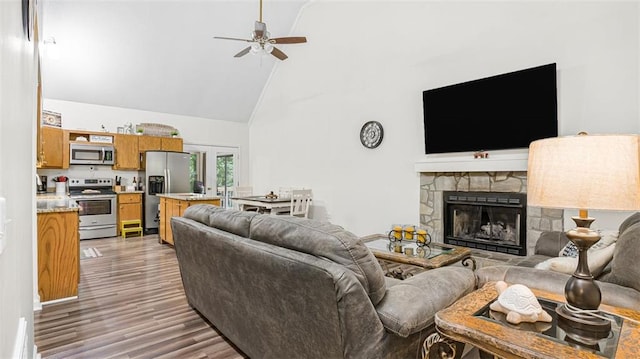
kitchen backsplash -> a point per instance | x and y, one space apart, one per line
77 171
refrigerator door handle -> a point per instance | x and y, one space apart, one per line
168 180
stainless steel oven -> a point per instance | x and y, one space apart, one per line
97 202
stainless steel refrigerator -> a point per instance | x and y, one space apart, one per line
165 172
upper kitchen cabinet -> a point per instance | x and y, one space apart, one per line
126 147
156 143
147 143
171 144
51 148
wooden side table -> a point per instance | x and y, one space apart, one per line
463 321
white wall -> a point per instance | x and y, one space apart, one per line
17 177
193 130
371 60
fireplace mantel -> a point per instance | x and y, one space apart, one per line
498 161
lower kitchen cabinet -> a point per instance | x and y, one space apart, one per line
175 207
129 207
58 255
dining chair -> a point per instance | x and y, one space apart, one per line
284 192
244 191
300 202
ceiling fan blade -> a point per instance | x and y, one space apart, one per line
288 40
243 52
231 38
279 54
260 29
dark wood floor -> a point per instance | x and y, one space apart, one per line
131 304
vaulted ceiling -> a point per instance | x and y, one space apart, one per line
160 55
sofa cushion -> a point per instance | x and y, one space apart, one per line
624 266
323 240
200 212
410 305
630 221
550 243
236 222
228 220
596 259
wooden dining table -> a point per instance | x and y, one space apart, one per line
265 204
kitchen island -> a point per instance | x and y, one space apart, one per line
58 248
173 205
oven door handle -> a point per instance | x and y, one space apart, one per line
90 197
93 228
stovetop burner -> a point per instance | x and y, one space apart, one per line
91 186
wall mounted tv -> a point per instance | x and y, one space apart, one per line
506 111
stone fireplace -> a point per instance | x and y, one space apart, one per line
532 220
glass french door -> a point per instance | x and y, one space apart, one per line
213 170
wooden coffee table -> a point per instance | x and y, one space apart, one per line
433 255
469 321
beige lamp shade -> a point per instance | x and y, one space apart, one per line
585 172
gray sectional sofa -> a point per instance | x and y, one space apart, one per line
619 282
286 287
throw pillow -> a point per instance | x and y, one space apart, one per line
607 237
597 261
569 250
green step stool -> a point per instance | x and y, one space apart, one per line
132 226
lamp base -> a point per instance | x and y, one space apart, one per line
581 291
582 327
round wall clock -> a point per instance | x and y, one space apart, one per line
371 134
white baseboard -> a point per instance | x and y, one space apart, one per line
20 350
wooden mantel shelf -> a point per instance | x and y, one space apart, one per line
498 161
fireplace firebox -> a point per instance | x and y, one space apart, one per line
491 221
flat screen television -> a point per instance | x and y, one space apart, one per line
506 111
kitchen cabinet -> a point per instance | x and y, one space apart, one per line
156 143
58 255
174 206
129 207
171 144
127 157
147 143
51 148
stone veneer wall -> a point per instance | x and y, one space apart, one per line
432 184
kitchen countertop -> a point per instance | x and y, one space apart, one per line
189 196
126 192
51 203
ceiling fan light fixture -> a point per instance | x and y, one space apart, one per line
255 48
268 48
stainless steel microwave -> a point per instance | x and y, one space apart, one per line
91 154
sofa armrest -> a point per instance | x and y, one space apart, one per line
550 243
410 306
612 294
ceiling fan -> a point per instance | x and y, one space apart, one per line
262 42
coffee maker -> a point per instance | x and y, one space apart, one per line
42 184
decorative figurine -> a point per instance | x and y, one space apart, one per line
519 304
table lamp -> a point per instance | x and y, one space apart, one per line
584 172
